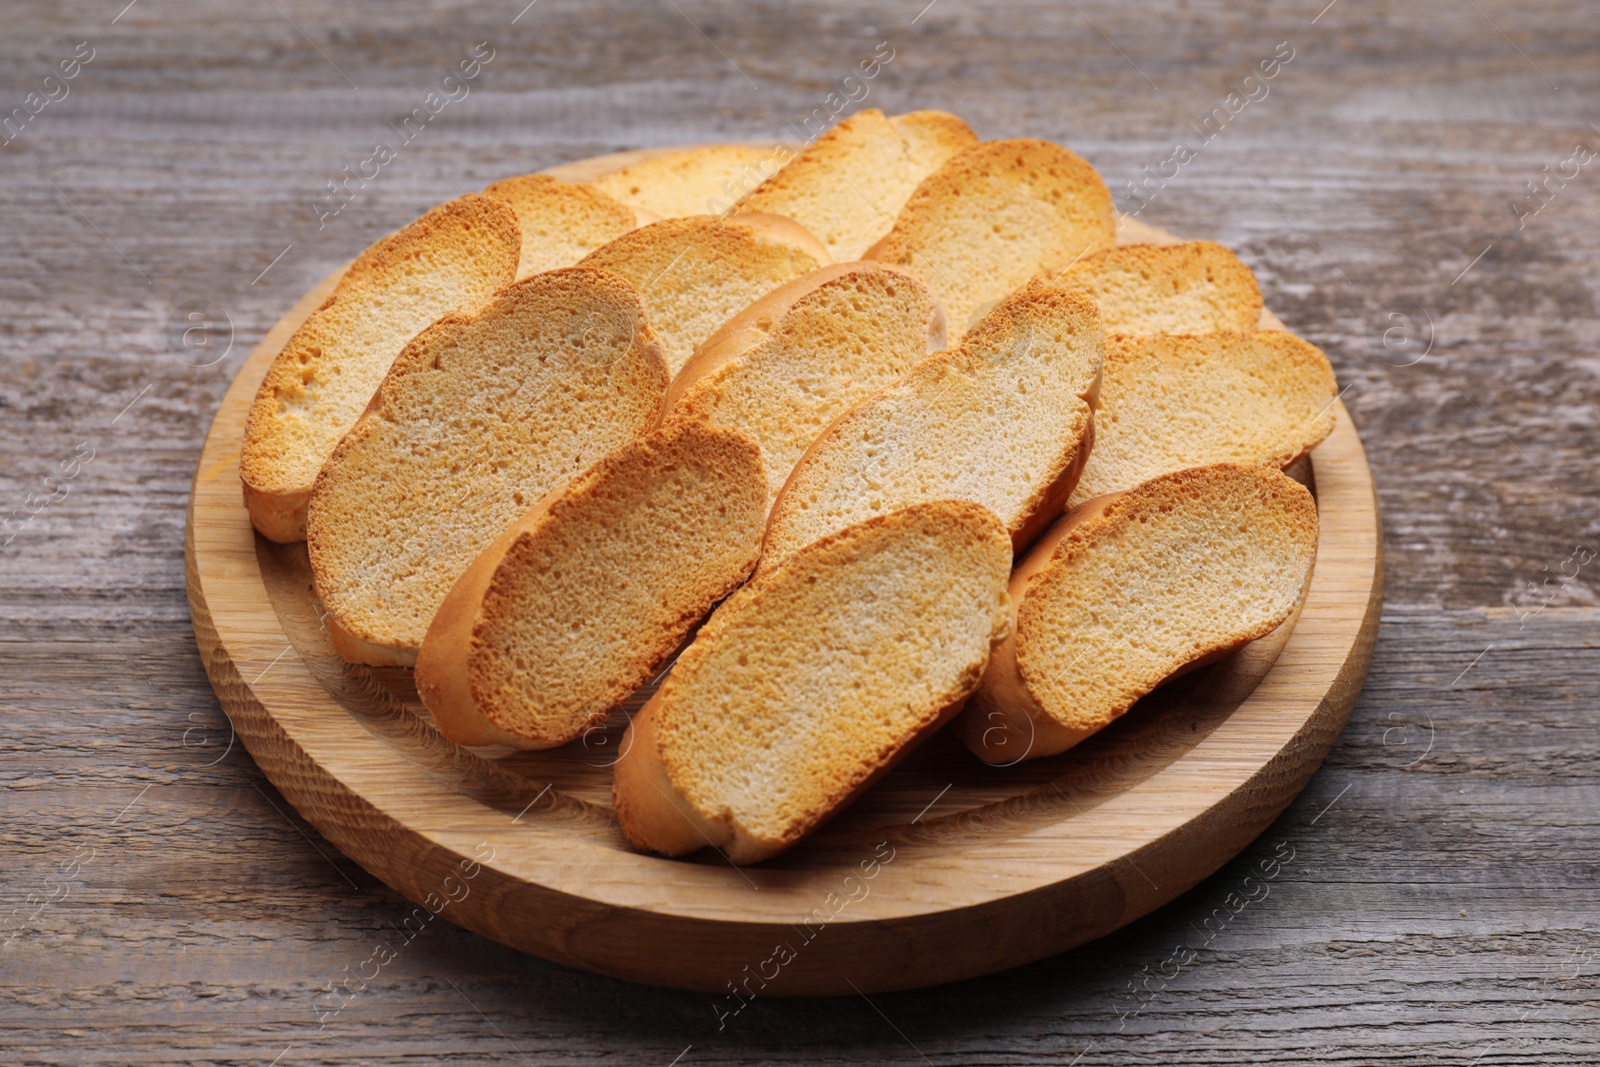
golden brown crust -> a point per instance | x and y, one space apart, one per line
1046 206
480 415
781 230
933 137
1017 712
441 675
488 678
758 322
1170 402
653 815
354 649
1004 723
693 181
788 365
666 795
849 184
453 258
697 272
277 515
1033 323
561 222
1194 287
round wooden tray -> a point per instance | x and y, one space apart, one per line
946 869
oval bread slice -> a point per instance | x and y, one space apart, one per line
1193 287
1167 403
695 273
481 416
585 598
789 364
1130 590
452 259
809 683
994 217
694 181
1003 421
561 222
848 185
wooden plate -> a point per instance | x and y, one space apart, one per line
945 869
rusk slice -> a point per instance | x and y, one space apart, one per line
849 184
451 259
481 416
694 273
694 181
562 222
1132 589
585 598
1004 421
1172 402
1193 287
809 683
789 364
995 216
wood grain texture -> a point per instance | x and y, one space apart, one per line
208 924
989 868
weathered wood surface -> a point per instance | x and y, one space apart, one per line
1443 905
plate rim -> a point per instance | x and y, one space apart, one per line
414 842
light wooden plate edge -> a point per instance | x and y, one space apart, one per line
416 854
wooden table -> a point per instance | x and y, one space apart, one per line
1442 903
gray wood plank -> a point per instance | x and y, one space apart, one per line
1442 906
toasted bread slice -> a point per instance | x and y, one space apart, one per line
1130 590
849 184
481 416
1003 421
694 273
995 216
694 181
1193 287
1172 402
789 364
809 683
562 222
583 599
452 259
